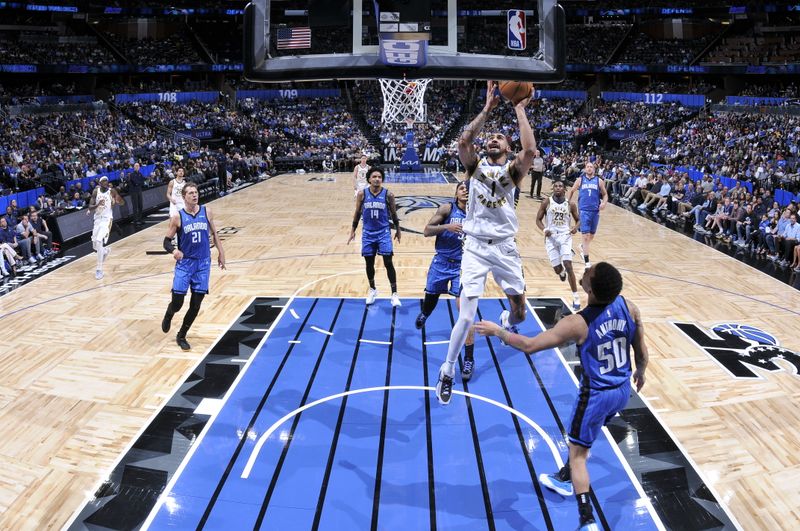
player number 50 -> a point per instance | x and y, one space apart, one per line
613 353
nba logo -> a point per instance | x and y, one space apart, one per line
516 29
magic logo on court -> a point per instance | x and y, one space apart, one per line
741 349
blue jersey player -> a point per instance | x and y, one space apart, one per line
375 205
194 226
444 274
605 332
592 198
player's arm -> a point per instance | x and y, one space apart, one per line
93 202
540 215
640 354
117 197
522 163
393 214
217 242
169 191
601 183
436 224
172 230
573 209
356 215
466 142
573 189
569 329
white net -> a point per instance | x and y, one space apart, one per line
403 100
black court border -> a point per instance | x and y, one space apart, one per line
127 496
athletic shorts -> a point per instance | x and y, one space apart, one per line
559 248
174 209
589 221
191 272
501 259
101 229
593 409
444 276
378 242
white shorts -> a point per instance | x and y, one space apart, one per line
101 229
501 259
559 248
174 209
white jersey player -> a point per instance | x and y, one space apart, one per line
360 176
175 193
556 211
490 227
101 205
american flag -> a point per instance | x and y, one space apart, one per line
289 38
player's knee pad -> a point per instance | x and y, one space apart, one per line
177 301
196 301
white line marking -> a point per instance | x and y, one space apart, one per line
238 360
264 436
643 498
209 406
321 331
165 494
260 329
294 313
294 341
444 342
375 342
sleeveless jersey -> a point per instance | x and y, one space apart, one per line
449 244
589 193
375 211
361 177
490 204
606 353
105 211
558 216
193 235
177 192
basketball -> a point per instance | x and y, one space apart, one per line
515 91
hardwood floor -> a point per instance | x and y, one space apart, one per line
85 364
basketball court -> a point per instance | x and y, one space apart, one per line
299 407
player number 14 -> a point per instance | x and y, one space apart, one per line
614 354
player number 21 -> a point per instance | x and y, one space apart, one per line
195 237
616 358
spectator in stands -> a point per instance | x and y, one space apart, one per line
22 248
29 240
790 237
658 198
42 232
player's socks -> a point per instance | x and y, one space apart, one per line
469 363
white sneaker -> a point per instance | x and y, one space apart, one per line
98 275
576 303
372 294
32 260
396 300
39 256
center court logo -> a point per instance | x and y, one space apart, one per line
741 349
411 203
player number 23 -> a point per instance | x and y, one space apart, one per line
614 354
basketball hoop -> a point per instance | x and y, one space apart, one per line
403 100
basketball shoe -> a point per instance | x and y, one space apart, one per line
467 367
444 388
559 482
506 325
372 294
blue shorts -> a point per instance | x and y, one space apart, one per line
593 409
444 276
378 242
191 272
589 221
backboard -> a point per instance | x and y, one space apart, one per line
369 39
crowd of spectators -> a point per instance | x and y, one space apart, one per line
643 49
177 48
790 90
593 43
635 115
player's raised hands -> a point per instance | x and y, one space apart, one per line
492 95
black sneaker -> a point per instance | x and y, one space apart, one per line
420 322
467 368
181 340
444 389
166 322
